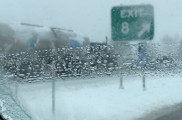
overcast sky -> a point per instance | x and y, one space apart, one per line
89 17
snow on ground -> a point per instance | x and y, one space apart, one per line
100 98
1 106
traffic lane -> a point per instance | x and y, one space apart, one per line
173 112
175 115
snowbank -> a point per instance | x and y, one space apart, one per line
100 98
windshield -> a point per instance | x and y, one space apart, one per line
90 60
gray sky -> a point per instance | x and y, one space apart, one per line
89 17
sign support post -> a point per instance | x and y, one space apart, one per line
143 80
121 78
53 72
121 82
53 97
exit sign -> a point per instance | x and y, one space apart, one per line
132 22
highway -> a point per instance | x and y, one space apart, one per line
174 115
167 113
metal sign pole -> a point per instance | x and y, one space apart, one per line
53 89
143 61
16 89
53 97
121 82
121 78
143 80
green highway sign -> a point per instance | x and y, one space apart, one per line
132 22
